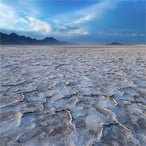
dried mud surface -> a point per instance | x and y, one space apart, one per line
73 96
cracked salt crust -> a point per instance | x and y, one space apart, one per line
72 96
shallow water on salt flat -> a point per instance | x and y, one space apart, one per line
73 96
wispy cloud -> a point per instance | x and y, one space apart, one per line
8 17
73 23
121 34
12 18
94 12
82 17
37 25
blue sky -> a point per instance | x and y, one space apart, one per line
78 21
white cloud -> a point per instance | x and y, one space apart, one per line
121 34
29 7
77 32
37 25
94 12
135 34
8 17
12 17
83 19
85 15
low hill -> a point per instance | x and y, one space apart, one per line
115 43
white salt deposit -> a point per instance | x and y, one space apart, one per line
72 96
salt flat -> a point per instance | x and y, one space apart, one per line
73 96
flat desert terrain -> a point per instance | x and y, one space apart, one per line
73 96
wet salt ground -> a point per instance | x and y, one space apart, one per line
73 96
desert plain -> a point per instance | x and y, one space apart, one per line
73 95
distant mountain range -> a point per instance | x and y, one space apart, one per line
15 39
